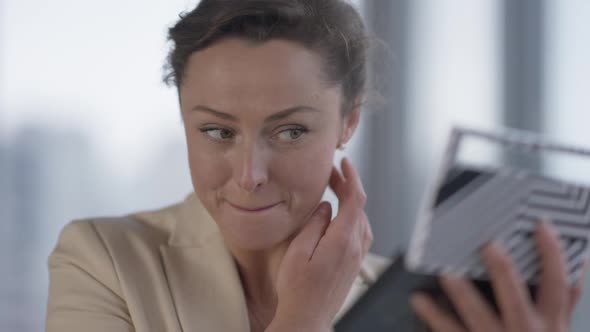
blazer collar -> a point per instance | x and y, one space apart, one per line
193 225
202 276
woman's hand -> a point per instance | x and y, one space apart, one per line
552 312
323 260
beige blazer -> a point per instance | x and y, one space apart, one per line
165 270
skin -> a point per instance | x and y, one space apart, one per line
246 151
297 264
552 311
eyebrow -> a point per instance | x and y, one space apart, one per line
274 117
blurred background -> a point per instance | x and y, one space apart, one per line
87 128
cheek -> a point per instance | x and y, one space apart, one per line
209 171
305 174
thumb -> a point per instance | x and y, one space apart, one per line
309 237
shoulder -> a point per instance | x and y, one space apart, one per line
96 265
101 240
148 227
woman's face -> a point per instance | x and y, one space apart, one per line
261 129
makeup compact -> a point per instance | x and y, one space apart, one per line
489 187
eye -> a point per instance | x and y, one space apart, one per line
218 134
291 134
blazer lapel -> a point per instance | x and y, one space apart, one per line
202 276
203 279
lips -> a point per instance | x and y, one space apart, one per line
252 208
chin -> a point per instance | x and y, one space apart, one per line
257 235
256 231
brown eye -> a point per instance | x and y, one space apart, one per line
218 134
225 134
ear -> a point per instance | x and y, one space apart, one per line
350 122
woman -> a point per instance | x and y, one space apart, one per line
268 90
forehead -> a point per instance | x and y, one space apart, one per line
237 73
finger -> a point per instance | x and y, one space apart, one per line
353 197
353 179
509 289
552 300
475 311
352 200
307 240
438 319
337 183
576 291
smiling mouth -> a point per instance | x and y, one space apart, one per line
252 209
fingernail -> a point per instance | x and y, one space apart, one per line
324 209
496 246
492 249
489 246
547 225
451 279
418 299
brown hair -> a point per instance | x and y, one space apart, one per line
332 28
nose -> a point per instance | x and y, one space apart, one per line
250 167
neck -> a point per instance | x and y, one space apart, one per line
258 271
